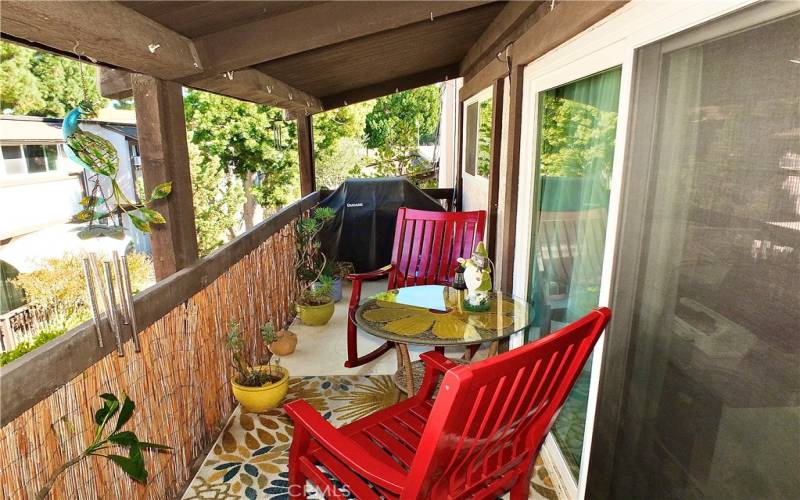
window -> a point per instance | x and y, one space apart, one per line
478 135
709 268
577 129
30 158
13 160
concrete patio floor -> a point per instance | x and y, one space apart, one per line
249 459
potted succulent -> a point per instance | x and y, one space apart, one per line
260 387
314 304
339 271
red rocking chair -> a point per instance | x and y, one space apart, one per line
426 246
477 438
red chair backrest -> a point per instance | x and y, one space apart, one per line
491 417
427 244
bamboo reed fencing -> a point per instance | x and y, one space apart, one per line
179 383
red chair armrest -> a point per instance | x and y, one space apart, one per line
372 275
437 360
436 364
344 448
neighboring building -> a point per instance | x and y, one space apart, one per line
41 189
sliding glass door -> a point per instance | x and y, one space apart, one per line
574 157
706 379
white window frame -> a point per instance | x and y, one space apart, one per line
610 43
24 157
480 96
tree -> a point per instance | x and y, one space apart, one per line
218 197
339 151
252 141
42 84
398 124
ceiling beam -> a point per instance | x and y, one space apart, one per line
509 24
313 27
105 32
255 86
114 83
407 82
246 85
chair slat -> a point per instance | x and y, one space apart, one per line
391 444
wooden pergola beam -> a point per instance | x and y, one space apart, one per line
407 82
165 157
512 21
305 149
247 85
105 32
255 86
314 27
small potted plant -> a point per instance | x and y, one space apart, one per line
261 387
314 304
339 271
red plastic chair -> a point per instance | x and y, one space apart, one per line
426 246
477 438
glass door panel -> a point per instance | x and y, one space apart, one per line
710 404
577 128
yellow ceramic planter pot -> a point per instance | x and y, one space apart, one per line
259 399
315 315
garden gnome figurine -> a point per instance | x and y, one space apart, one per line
478 279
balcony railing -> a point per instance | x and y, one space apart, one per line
179 380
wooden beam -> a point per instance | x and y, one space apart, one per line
494 172
165 157
305 146
511 187
114 83
253 85
544 31
426 77
246 85
106 32
313 27
509 24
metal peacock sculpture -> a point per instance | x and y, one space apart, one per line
99 157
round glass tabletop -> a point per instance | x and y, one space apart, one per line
436 315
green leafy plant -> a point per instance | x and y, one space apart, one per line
248 375
311 260
320 292
103 443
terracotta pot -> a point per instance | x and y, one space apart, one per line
285 345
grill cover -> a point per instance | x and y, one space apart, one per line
366 211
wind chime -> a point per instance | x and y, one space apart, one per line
108 285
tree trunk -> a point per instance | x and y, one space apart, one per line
249 211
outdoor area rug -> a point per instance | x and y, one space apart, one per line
250 458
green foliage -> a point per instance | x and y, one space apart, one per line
311 261
58 284
398 124
577 138
42 84
133 464
339 150
218 198
57 325
252 141
485 138
58 287
247 374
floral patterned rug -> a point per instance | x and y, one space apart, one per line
249 459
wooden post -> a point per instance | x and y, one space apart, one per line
458 184
305 146
494 172
511 191
165 157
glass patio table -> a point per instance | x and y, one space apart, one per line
435 315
